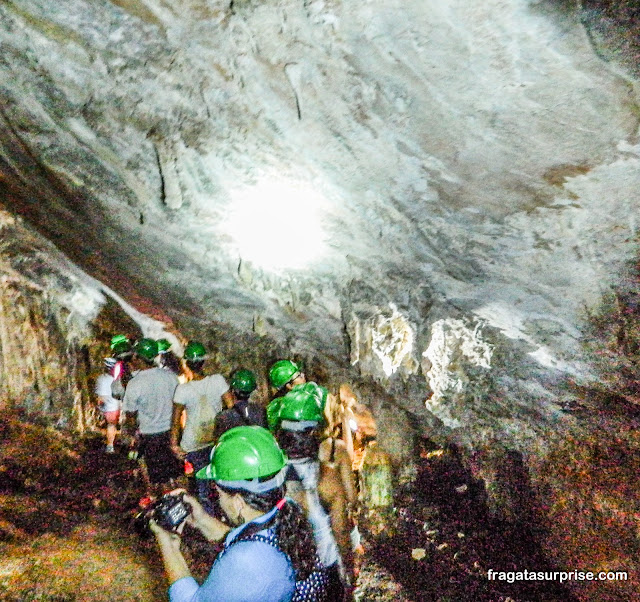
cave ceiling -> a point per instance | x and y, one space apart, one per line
309 172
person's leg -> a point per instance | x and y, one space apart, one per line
143 451
164 468
191 459
112 419
148 485
111 436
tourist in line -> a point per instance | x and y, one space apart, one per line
269 553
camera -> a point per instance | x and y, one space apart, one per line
169 512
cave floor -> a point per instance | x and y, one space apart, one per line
439 541
66 511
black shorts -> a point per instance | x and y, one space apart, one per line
161 462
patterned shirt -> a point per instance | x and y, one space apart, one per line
252 569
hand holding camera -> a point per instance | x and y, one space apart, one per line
168 514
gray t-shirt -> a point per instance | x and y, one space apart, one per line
150 393
202 400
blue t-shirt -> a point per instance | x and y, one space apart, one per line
247 571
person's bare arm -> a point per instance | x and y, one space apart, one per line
343 460
228 400
296 493
130 424
347 435
342 464
212 528
176 424
174 563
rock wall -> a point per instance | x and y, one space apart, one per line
428 200
433 154
46 309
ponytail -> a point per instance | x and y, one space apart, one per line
295 536
293 530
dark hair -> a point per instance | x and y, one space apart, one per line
299 444
195 365
144 360
282 391
171 361
241 395
293 529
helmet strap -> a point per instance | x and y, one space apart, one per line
290 381
298 425
255 485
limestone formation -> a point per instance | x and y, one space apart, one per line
435 201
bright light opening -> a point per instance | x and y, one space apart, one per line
276 224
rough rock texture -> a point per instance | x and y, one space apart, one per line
281 168
429 199
45 305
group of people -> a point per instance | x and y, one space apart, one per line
274 480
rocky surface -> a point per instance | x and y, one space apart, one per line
287 167
46 304
433 201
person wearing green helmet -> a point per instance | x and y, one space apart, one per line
297 406
107 403
243 381
121 350
167 359
195 353
284 375
269 553
297 420
200 400
163 345
148 403
241 411
147 349
121 347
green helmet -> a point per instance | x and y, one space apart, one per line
244 381
282 372
322 393
194 351
297 405
146 348
120 344
273 410
163 345
243 455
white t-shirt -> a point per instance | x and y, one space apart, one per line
103 391
202 400
150 393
